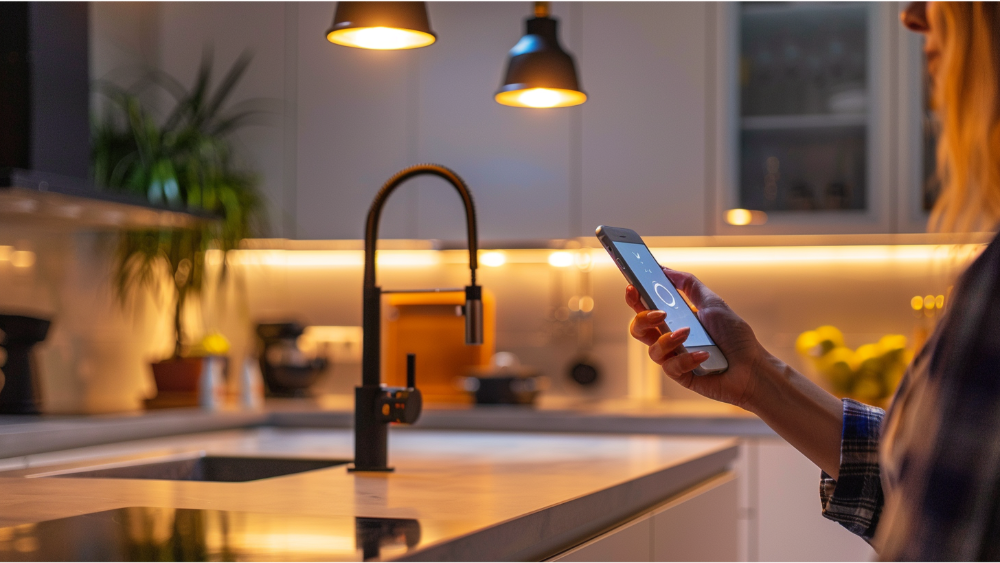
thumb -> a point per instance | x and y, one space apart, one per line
697 292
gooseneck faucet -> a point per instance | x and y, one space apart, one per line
375 406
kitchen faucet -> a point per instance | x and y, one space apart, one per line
376 405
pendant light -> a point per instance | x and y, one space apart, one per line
381 25
540 74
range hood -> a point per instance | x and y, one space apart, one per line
45 132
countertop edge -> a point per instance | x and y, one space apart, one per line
59 433
544 533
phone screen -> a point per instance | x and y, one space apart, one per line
664 294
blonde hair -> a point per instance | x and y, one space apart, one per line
966 96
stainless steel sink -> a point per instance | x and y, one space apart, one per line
229 469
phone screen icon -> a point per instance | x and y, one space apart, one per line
662 292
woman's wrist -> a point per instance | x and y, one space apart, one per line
769 376
801 412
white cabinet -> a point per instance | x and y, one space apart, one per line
781 508
645 127
699 525
634 154
807 110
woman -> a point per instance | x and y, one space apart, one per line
922 482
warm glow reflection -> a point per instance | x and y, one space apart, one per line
813 254
22 258
541 98
917 303
595 257
560 259
493 259
285 543
382 38
5 252
742 217
337 258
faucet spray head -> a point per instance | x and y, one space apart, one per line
473 314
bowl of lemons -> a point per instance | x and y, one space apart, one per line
869 374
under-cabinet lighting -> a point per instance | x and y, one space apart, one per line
560 259
493 259
337 258
585 258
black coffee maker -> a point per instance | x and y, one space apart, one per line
19 387
287 371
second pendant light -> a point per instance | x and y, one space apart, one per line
540 74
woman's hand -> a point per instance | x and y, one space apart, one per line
797 409
731 334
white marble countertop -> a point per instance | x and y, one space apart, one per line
476 495
24 435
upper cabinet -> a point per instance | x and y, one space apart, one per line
918 184
807 110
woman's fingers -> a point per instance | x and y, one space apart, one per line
647 326
667 344
677 366
633 300
697 292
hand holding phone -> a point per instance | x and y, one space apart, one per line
656 292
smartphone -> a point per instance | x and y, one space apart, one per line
641 270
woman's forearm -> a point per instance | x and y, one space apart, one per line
806 416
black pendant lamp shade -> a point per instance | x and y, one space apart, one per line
381 25
540 73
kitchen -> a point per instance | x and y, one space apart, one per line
664 144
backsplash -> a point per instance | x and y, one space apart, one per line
553 307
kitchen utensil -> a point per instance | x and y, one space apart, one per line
504 381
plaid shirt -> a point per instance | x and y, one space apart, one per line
923 481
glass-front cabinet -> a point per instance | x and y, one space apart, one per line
807 112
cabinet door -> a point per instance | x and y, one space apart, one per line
513 159
805 120
790 523
645 126
700 525
629 542
918 186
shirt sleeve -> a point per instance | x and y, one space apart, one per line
855 498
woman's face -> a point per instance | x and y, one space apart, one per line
922 17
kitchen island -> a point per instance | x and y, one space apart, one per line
27 435
455 495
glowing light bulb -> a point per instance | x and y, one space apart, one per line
541 98
380 38
740 217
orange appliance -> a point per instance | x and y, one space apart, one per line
430 326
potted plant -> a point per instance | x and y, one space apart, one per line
184 161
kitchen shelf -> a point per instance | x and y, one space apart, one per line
814 121
56 201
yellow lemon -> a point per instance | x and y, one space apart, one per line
868 389
892 342
830 337
213 344
836 366
806 343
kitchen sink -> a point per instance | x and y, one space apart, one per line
217 468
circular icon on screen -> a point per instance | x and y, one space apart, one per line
664 294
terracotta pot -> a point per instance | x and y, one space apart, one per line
178 375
